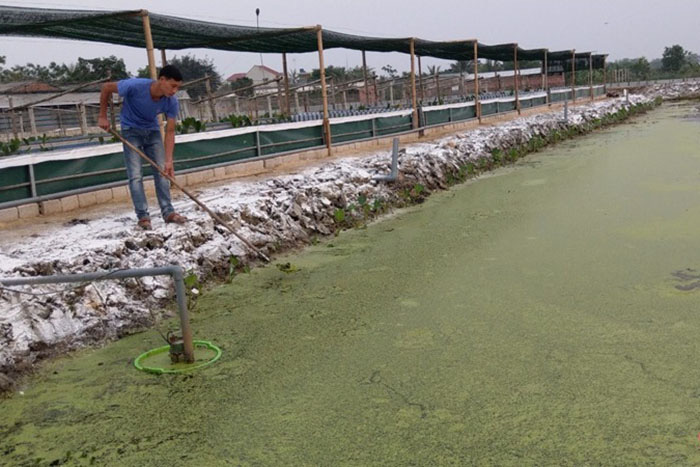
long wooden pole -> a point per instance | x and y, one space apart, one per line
286 84
573 75
515 77
163 58
324 91
151 61
364 75
414 98
477 100
173 182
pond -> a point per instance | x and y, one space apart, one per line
543 314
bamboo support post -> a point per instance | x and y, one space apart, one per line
286 85
364 75
83 118
515 77
151 60
590 74
477 100
413 83
212 104
324 92
420 80
546 77
573 75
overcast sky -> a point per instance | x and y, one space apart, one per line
620 28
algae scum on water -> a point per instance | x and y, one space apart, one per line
530 317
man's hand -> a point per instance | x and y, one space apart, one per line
103 123
169 169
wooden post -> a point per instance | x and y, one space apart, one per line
332 86
605 76
420 80
546 77
573 75
413 83
477 100
515 77
437 85
163 59
345 99
236 105
61 128
32 121
590 74
12 118
83 118
280 103
391 92
212 103
375 95
151 60
296 102
269 105
286 85
364 75
324 92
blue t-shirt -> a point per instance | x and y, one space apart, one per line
139 110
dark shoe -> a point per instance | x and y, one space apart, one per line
175 218
145 223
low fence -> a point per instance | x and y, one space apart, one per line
37 176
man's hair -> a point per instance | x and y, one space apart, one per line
170 72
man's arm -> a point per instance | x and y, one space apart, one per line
169 146
107 90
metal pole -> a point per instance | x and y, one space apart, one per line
151 61
175 272
477 100
515 77
413 83
324 92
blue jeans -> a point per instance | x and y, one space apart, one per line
150 142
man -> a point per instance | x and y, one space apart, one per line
143 100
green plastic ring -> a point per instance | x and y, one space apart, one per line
166 348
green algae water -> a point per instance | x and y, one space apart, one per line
546 314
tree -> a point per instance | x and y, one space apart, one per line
390 70
85 70
674 58
192 68
641 68
240 83
462 66
434 70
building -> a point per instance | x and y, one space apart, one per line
259 74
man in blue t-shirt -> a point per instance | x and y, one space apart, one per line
143 100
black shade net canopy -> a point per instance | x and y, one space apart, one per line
125 27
